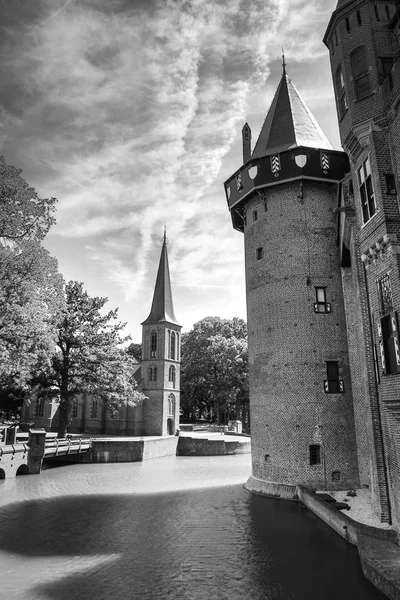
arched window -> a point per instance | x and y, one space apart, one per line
173 345
177 346
171 405
172 374
169 343
153 346
152 373
340 92
360 72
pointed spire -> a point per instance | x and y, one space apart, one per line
162 308
289 122
283 63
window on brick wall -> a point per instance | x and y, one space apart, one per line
321 305
386 63
347 24
332 383
259 253
336 38
93 409
315 454
376 12
153 345
255 215
360 72
359 21
172 375
366 190
387 12
340 92
152 373
39 409
388 334
390 184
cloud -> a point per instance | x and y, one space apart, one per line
126 112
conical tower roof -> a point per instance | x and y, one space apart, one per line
289 124
162 308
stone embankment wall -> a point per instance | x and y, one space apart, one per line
188 446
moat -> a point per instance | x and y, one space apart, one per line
176 528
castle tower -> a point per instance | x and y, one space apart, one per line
363 41
283 199
161 357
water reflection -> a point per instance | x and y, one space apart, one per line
108 531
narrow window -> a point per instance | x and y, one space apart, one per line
387 12
360 71
376 12
332 383
173 345
153 347
152 373
93 409
336 38
390 184
385 294
259 253
335 475
172 374
177 346
321 305
389 343
315 454
75 410
39 410
171 405
347 24
340 92
358 13
366 190
255 215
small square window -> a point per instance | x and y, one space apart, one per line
315 454
259 253
390 184
335 475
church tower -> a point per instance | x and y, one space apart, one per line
283 199
160 368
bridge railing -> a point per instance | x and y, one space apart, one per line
56 447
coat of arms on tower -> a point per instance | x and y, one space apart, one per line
324 162
275 164
239 185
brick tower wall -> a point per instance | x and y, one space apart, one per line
289 343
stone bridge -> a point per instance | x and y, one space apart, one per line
21 458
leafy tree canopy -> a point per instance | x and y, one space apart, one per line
135 350
214 371
89 357
23 215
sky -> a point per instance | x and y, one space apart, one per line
130 113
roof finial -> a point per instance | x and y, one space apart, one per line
283 63
165 241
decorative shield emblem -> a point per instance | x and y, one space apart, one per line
253 172
301 160
228 192
275 164
239 185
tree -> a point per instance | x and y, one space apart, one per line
135 350
214 370
89 358
31 293
23 215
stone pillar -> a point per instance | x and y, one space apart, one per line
36 443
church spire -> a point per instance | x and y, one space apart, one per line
289 122
162 308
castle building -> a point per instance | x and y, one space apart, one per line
158 377
321 239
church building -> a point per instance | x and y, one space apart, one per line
158 377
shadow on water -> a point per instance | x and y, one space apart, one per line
209 543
